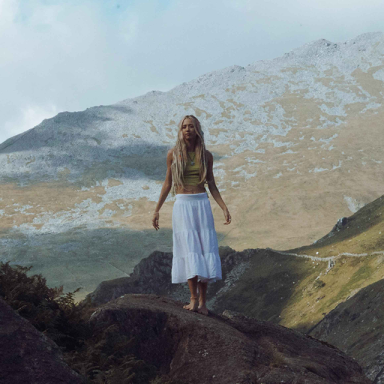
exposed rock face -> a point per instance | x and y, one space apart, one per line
231 348
356 326
339 226
27 355
153 275
341 223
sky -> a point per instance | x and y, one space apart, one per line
58 56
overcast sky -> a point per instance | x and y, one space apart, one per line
69 55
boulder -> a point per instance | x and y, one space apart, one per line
27 356
228 348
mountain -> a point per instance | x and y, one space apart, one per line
296 143
363 232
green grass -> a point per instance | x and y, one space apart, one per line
360 276
361 234
297 292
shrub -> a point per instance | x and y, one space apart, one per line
101 360
48 309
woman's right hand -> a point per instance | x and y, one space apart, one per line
155 220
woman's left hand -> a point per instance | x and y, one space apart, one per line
227 216
155 220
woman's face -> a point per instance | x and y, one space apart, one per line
189 130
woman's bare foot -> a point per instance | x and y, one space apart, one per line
202 309
192 306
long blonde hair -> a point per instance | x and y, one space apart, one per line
180 156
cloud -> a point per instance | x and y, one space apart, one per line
28 117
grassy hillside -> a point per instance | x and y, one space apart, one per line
298 290
356 326
363 232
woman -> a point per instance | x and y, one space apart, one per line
195 249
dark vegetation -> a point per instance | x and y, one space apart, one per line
99 359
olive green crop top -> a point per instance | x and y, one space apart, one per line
191 173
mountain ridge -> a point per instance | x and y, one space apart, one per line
295 143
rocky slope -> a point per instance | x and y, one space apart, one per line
296 143
194 348
296 288
356 326
153 275
359 234
27 355
140 338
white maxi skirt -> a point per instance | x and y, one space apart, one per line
195 246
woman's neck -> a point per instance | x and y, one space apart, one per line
190 146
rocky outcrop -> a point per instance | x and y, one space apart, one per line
153 275
356 326
340 225
27 355
230 348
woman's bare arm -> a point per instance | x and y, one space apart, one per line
213 188
167 185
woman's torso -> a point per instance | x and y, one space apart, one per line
191 189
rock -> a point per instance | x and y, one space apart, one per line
340 225
232 348
27 355
153 275
342 222
356 326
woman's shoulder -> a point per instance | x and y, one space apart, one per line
170 154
